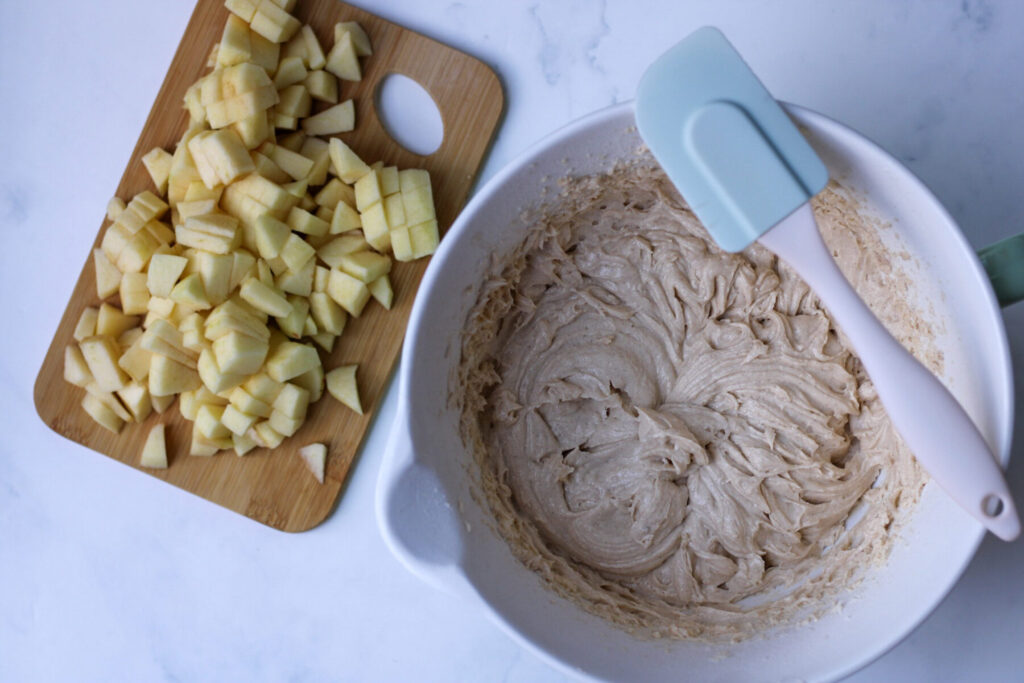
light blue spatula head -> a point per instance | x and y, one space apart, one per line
736 157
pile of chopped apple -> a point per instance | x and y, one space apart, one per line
263 237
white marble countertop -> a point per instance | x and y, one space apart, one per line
108 575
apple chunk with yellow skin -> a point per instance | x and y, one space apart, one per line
360 41
154 451
342 60
158 164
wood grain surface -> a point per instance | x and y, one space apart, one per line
273 486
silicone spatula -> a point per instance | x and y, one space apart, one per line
749 175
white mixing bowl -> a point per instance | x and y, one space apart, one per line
435 526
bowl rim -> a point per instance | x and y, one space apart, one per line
816 121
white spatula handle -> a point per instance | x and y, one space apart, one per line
931 421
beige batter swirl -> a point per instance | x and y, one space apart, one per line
668 432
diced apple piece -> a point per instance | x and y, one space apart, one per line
242 264
296 253
394 211
236 421
389 183
217 233
136 254
341 384
266 435
135 397
342 60
253 130
325 340
102 414
154 451
239 354
201 446
263 388
86 325
347 164
335 191
241 78
290 71
322 86
110 400
134 293
320 278
197 207
161 403
114 208
168 377
115 239
197 191
135 361
295 100
381 290
108 277
243 443
360 41
318 151
158 163
266 167
191 293
291 359
234 109
305 222
208 422
101 354
265 298
111 322
76 370
269 194
314 53
291 401
243 9
375 227
271 235
249 404
365 266
315 457
215 271
298 282
344 219
418 204
284 425
328 315
294 323
367 191
274 23
401 244
292 163
341 118
296 48
349 292
235 46
425 238
332 252
312 381
264 53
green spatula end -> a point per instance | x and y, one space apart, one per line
726 144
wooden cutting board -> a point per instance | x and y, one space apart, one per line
274 487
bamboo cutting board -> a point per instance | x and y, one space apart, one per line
274 487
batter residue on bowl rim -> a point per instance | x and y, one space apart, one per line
675 437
